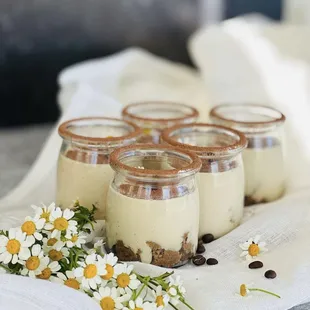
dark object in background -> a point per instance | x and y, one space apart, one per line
39 38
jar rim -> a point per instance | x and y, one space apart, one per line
117 165
65 133
192 114
209 151
275 121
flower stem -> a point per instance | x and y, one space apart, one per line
6 268
145 283
186 304
173 306
264 291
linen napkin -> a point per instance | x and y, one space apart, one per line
284 224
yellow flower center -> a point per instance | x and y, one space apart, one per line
46 216
109 274
61 224
29 228
55 255
138 308
13 246
74 238
107 303
33 262
90 271
160 301
253 249
123 280
243 291
72 283
45 274
51 242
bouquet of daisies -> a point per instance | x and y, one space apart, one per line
51 246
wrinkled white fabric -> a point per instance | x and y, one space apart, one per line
101 87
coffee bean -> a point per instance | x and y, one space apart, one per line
270 274
200 249
198 260
207 238
212 261
255 265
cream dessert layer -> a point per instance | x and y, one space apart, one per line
264 174
150 229
221 201
86 182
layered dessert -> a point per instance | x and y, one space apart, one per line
154 231
83 171
264 173
221 201
221 178
152 211
84 181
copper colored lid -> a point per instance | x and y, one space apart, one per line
65 132
121 153
239 139
191 112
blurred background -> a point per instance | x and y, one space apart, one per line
41 37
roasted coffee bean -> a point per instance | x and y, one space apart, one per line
255 265
198 260
270 274
200 249
212 261
207 238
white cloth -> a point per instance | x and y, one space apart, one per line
95 88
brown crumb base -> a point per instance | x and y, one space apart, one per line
124 253
249 201
168 258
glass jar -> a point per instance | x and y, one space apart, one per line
153 117
153 213
83 171
221 178
264 157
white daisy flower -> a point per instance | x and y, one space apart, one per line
36 263
109 298
44 212
55 249
47 272
68 279
252 248
31 226
15 247
161 298
110 261
140 305
76 240
60 221
175 289
91 271
245 290
125 279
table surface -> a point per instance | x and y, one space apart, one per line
18 150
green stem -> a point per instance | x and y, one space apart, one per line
186 304
264 291
173 306
145 283
6 268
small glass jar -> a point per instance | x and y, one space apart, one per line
83 171
153 117
221 178
264 156
153 213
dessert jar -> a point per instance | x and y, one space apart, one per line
264 156
221 177
153 214
83 170
155 116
